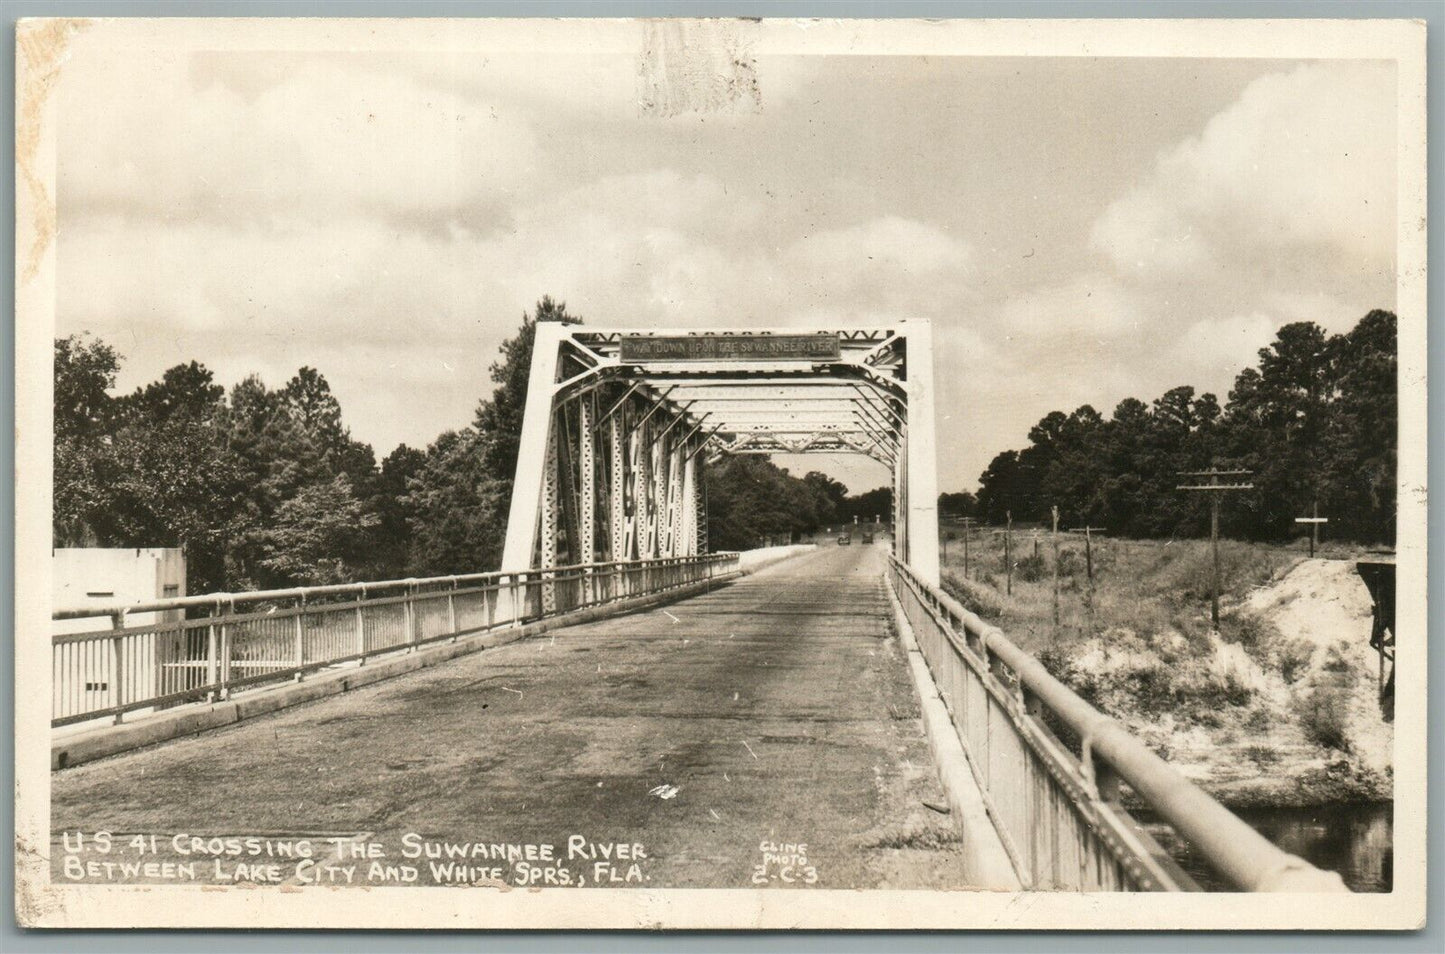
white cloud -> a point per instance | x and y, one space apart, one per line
355 294
319 140
1089 306
388 218
888 242
1302 159
1212 352
889 266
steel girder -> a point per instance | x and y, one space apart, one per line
609 465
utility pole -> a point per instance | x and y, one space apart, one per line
1216 488
967 525
1008 550
1055 512
1314 521
1088 533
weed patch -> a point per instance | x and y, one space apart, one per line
1323 715
1031 569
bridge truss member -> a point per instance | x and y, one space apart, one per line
617 421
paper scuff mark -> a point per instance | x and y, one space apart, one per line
697 66
42 46
664 792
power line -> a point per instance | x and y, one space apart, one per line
1216 488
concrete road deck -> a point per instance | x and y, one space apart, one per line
779 708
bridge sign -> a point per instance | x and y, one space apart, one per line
644 348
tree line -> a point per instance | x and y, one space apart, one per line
752 501
1314 423
266 488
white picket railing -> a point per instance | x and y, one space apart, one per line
215 644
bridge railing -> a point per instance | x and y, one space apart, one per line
206 647
1053 770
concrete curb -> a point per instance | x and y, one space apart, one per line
766 560
100 743
987 861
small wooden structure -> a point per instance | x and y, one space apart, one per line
1378 572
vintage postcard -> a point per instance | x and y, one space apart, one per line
721 474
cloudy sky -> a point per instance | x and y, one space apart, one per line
1077 229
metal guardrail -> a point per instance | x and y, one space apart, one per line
247 639
1052 767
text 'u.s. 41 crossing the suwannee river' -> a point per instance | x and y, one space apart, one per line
340 860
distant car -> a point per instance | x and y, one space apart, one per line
867 538
845 540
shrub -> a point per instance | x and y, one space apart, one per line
1234 692
981 600
1031 569
1244 628
1262 755
1056 661
1153 690
1071 563
1291 657
1194 630
1186 569
1323 715
1336 664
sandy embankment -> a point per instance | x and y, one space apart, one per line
1291 719
1323 608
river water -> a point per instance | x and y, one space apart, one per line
1354 840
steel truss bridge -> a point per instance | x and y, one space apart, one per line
617 422
801 697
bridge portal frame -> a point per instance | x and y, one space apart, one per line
609 459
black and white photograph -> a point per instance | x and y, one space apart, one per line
720 473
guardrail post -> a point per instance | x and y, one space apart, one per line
1033 707
213 656
410 616
516 593
224 655
360 628
300 635
1106 780
1098 773
452 609
117 664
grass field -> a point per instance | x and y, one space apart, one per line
1247 706
1138 584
